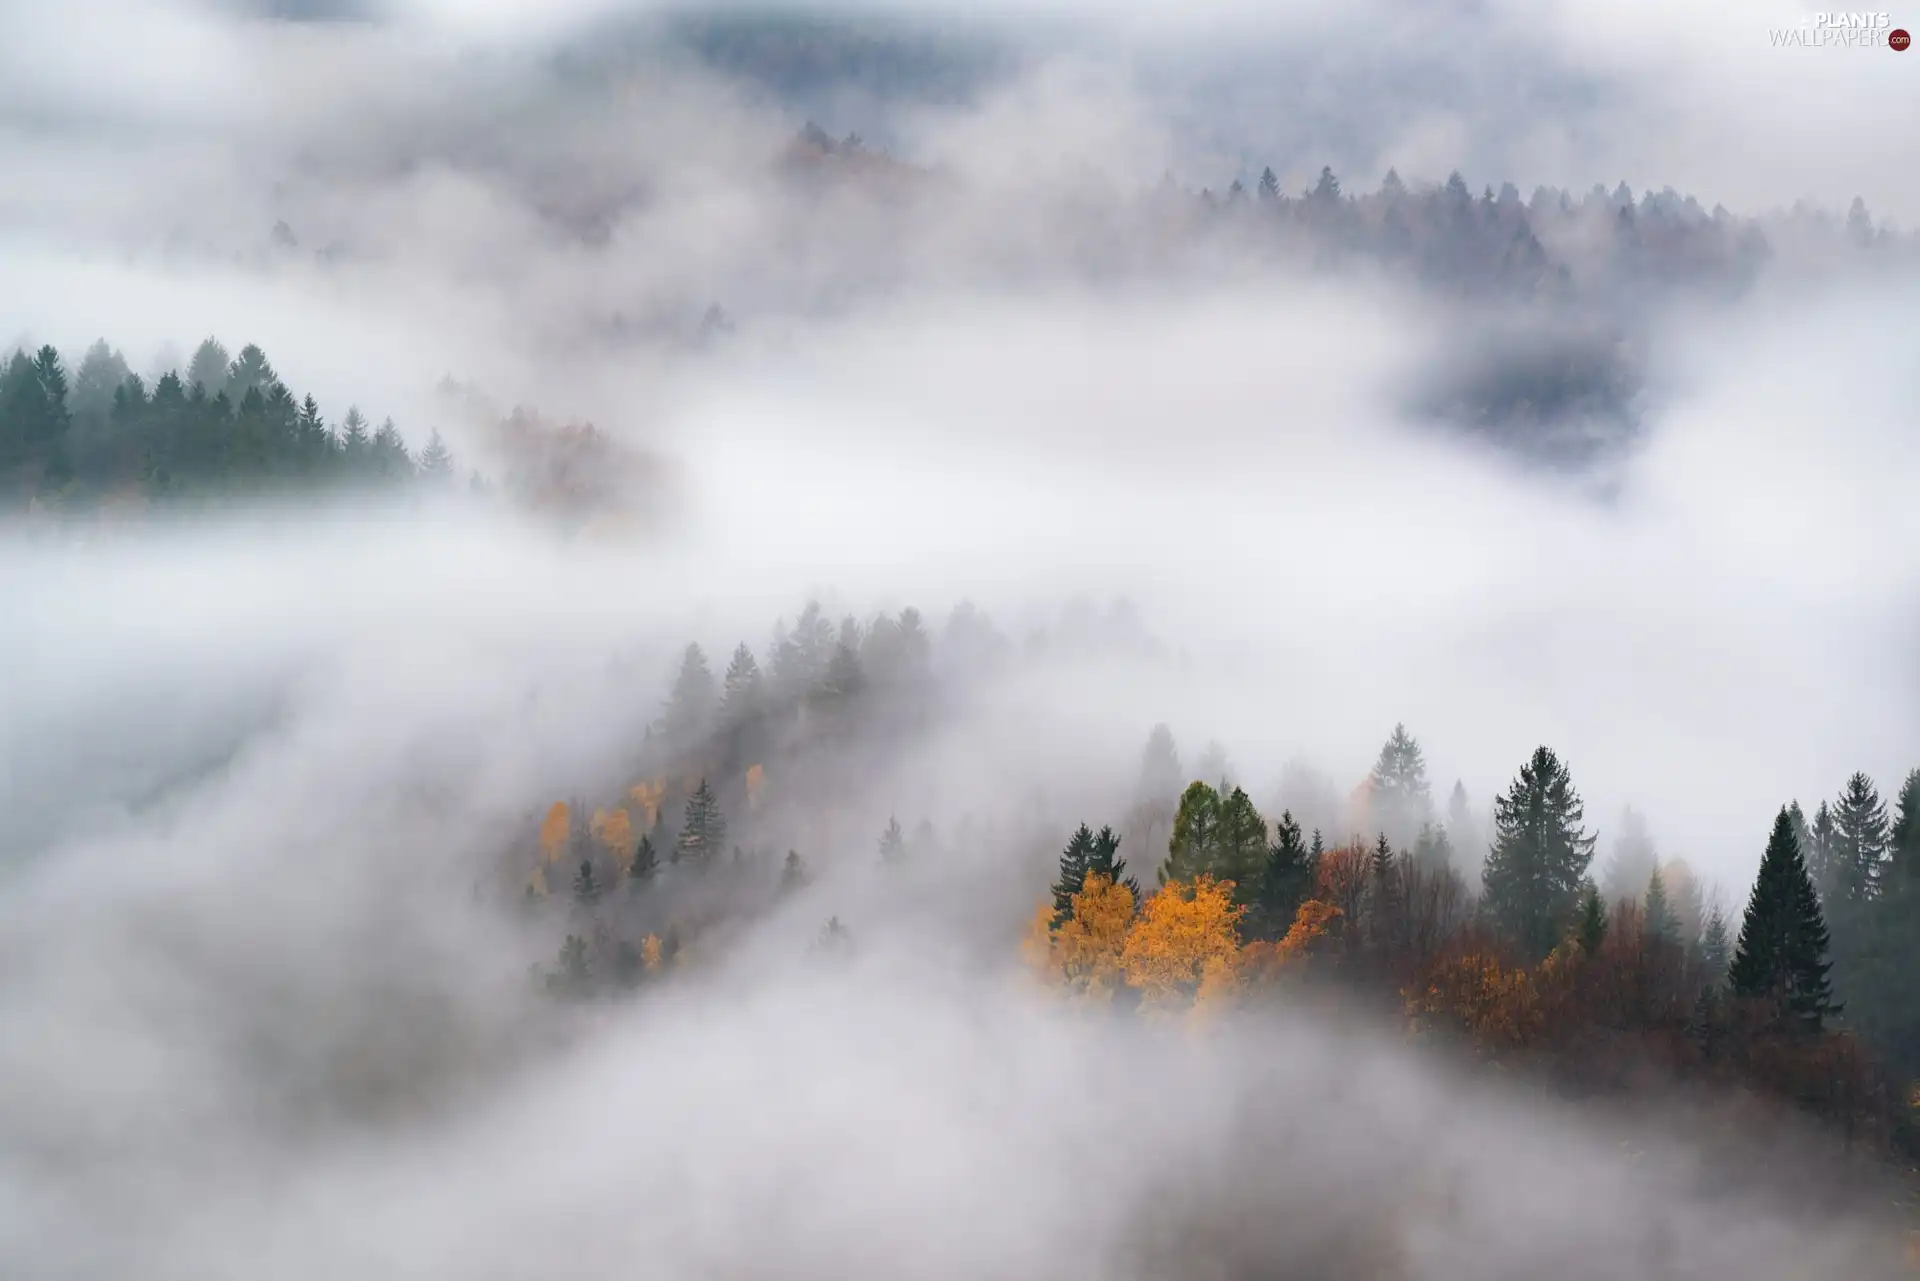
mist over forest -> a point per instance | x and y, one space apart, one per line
1125 641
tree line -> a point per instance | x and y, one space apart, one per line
224 426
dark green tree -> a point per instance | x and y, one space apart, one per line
1269 185
1073 874
1590 927
1660 923
1103 859
1540 855
586 886
1285 881
1716 947
1782 953
703 830
1432 850
793 873
1856 860
1386 907
1196 834
688 714
646 865
1903 838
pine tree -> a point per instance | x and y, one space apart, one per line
1782 953
689 710
1819 855
1590 928
793 873
1073 874
1285 881
1716 948
1540 855
1856 860
574 978
1432 851
586 886
1160 775
1633 862
208 369
740 689
646 864
1196 834
703 832
1269 186
1903 837
893 844
436 463
1103 859
1386 912
1397 788
1660 923
1463 832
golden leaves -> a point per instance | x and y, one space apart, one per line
756 780
554 831
648 796
1083 955
650 952
614 830
1186 938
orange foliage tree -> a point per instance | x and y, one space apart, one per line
554 831
1186 942
1084 953
614 830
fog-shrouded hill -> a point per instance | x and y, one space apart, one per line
1056 641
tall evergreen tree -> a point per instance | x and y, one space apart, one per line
1432 850
1285 881
1196 834
1463 830
436 461
208 369
703 831
1397 792
1660 923
740 689
1716 947
1073 874
1903 838
793 873
1269 186
1590 928
586 886
1819 854
893 844
646 865
690 706
1633 861
1540 855
1103 859
1857 857
1386 909
1782 953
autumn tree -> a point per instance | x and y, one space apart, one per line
1085 953
1186 938
1782 953
1540 855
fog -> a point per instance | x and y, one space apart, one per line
263 1013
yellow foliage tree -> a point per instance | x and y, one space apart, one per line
1498 1007
1187 939
650 952
756 780
1271 962
554 831
614 830
1083 955
648 796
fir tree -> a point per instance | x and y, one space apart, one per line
893 844
1285 880
1269 186
1073 874
793 873
1540 855
1821 864
1160 775
1716 948
1633 862
646 864
740 690
1463 832
703 831
688 713
1196 834
1397 791
586 886
1660 923
1903 837
1782 953
436 463
1386 912
574 978
1590 927
1432 851
1856 859
1103 859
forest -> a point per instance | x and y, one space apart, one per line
1499 932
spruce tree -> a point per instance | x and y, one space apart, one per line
1821 864
1660 923
1590 928
586 886
1633 861
793 873
893 844
703 832
1716 948
1903 837
1103 859
1285 881
689 710
1196 834
1397 792
740 690
1242 845
1856 860
1386 912
646 865
1782 953
1073 874
436 462
1269 185
1540 856
1463 832
1432 850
